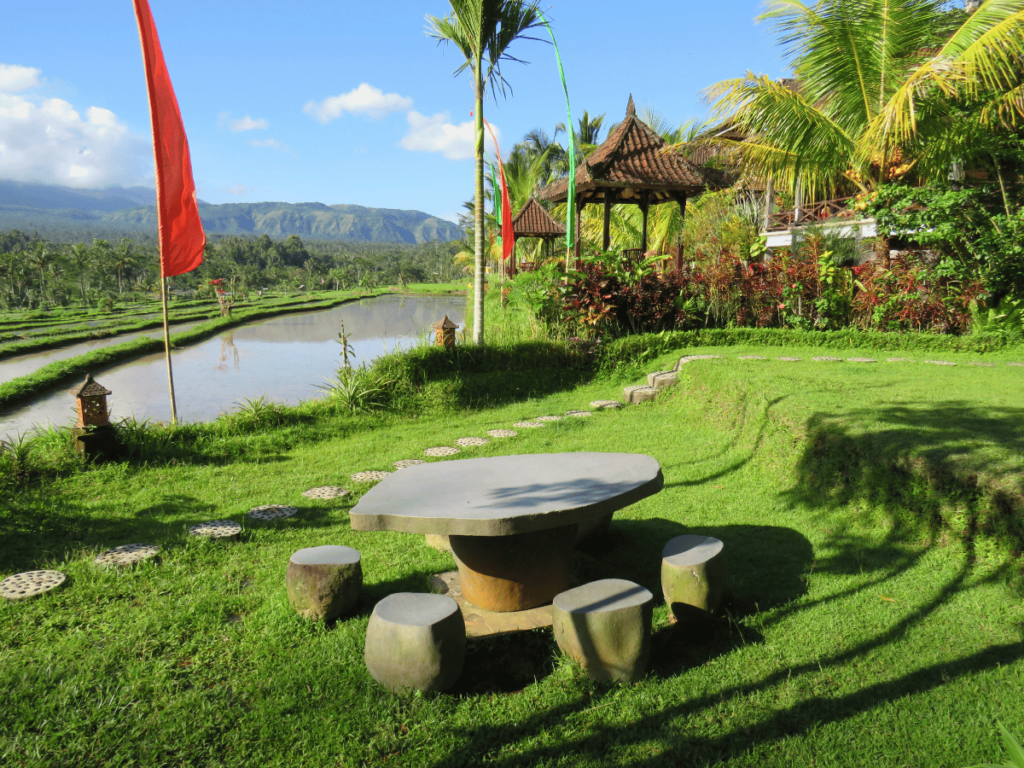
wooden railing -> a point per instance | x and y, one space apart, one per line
811 214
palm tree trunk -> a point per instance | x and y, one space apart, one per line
478 214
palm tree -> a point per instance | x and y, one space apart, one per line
483 30
80 257
587 139
873 77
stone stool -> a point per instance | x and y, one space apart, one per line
416 640
324 582
605 626
693 573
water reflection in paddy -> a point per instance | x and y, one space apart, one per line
284 359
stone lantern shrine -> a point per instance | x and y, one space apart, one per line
444 331
94 435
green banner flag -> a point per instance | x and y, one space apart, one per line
496 198
570 204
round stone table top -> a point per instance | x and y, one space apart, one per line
507 495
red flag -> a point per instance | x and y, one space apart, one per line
181 231
508 238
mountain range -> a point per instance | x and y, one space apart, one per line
132 210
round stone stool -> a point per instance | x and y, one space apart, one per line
416 641
605 626
324 582
693 573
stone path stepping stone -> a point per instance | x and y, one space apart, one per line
471 441
639 393
528 424
693 573
579 414
789 359
605 627
325 492
690 358
827 359
216 529
548 418
1016 365
373 476
861 360
30 583
651 377
502 432
939 362
416 641
271 512
605 405
443 450
404 463
751 357
323 583
982 365
898 360
127 554
663 379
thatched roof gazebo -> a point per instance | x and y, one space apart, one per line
630 167
533 221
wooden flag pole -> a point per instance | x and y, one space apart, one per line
167 349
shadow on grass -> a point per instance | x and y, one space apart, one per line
656 727
948 467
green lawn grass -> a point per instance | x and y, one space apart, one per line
872 619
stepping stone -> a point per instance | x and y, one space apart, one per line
605 405
861 360
528 424
325 492
502 432
789 359
751 357
652 376
548 418
827 359
405 463
373 476
216 529
693 573
471 441
271 512
1016 365
416 641
939 362
605 627
898 360
443 450
663 379
579 414
21 586
690 358
126 555
639 393
982 365
323 582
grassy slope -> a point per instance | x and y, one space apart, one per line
853 637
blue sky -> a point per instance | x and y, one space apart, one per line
337 102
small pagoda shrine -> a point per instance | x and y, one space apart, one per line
94 435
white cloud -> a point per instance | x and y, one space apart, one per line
364 100
47 140
436 134
241 124
270 144
17 78
238 190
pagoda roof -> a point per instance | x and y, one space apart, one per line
534 221
89 388
629 163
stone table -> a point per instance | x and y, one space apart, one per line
511 520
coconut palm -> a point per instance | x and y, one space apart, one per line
870 76
483 30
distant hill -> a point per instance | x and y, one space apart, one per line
37 206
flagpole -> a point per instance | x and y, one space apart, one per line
167 349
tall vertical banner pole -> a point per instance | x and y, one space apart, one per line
570 204
180 229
